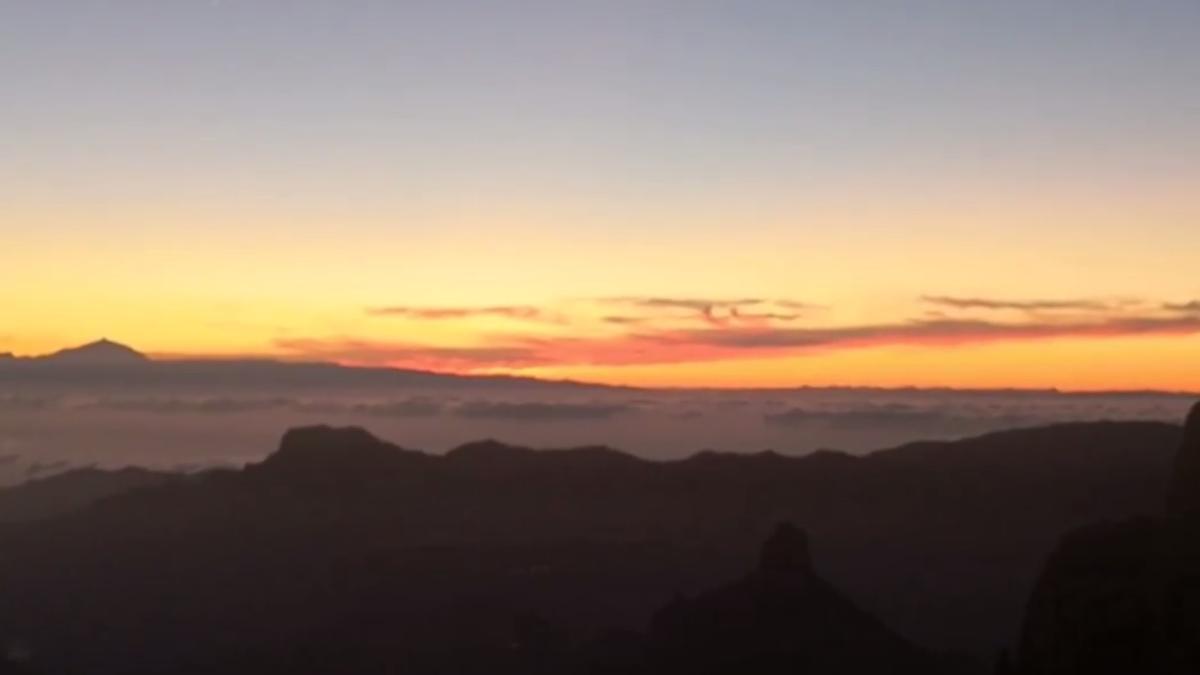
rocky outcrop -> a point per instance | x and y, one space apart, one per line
1123 598
1184 497
323 454
782 618
786 552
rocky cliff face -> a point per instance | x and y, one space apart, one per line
1124 597
1184 497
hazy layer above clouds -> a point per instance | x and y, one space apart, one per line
57 427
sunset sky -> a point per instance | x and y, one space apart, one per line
687 192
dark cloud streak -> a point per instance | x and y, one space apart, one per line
939 331
1083 305
1186 307
717 312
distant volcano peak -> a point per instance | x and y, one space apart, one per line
100 351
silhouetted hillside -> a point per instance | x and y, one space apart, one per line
71 490
783 618
340 548
1124 597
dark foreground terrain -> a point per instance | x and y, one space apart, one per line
1124 597
343 553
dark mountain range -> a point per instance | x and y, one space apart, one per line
340 548
1124 597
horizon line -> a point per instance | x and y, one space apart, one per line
177 357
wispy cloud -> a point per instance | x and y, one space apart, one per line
715 344
23 403
941 332
872 417
1038 305
694 304
517 312
45 469
714 311
219 405
1187 307
540 412
924 416
634 310
372 352
715 330
623 320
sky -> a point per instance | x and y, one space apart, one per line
675 193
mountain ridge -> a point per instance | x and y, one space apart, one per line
616 532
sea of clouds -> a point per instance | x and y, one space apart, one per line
49 432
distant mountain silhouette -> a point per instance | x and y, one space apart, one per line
343 553
108 364
1124 597
101 352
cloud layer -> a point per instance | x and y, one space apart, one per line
712 311
668 330
1083 305
1187 307
541 412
